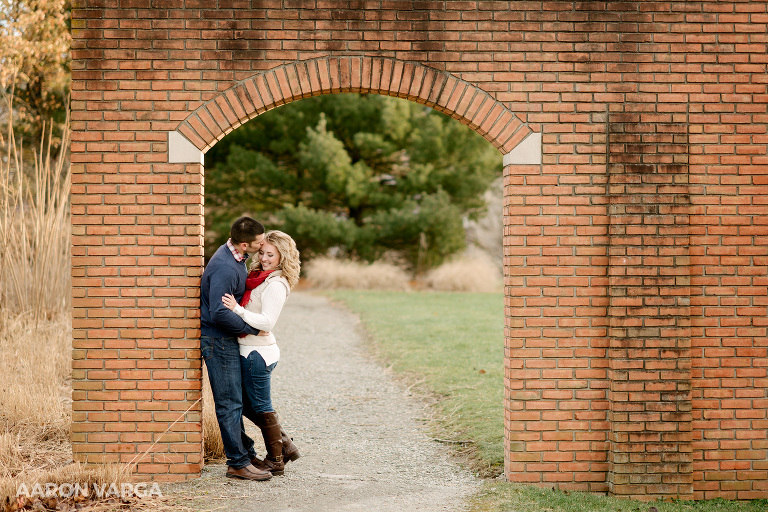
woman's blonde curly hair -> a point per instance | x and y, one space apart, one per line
290 262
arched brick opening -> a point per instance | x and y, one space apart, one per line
178 450
467 103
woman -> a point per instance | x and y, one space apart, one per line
272 276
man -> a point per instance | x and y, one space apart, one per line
219 330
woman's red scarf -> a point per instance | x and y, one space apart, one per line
254 279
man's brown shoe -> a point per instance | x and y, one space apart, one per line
248 472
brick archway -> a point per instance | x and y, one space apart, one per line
440 90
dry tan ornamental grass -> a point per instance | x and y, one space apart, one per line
35 389
330 274
34 396
34 225
473 271
213 445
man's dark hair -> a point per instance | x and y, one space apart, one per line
245 230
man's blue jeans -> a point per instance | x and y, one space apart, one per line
222 358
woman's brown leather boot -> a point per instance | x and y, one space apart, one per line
273 441
290 450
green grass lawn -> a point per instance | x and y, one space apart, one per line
452 346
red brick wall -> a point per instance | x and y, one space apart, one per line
636 254
729 252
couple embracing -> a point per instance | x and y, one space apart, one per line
238 309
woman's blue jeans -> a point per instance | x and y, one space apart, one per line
222 358
257 384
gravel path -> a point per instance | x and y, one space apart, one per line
361 435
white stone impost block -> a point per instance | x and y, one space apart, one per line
528 152
181 151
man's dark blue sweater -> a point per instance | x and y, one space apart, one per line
223 274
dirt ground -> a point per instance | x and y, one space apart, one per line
361 433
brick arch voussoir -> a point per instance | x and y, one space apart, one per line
440 90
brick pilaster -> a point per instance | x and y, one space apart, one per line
649 314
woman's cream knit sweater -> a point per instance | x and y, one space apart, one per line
262 312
